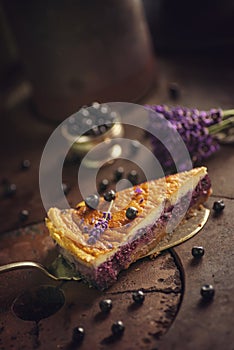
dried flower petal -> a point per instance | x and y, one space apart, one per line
138 190
99 227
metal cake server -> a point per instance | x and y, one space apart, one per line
186 229
61 270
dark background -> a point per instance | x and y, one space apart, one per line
56 56
129 53
188 45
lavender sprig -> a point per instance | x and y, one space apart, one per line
99 227
198 129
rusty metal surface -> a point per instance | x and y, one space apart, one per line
205 82
162 287
199 324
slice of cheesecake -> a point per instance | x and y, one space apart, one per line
103 241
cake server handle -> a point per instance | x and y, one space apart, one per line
31 264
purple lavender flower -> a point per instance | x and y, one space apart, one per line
192 125
99 227
138 190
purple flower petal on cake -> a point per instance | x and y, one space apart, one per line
138 190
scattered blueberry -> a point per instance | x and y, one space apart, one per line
207 291
131 213
95 131
118 328
104 109
135 146
87 122
24 215
103 184
118 174
78 334
25 164
10 190
102 128
218 206
105 305
174 91
66 189
96 105
73 126
198 252
109 196
92 201
138 296
133 177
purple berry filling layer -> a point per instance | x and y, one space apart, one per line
106 273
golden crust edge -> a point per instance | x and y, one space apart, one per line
67 244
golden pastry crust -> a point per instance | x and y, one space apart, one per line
71 228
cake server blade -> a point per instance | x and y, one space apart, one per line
188 228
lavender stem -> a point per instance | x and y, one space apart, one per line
224 124
227 113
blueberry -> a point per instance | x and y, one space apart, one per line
24 215
207 291
25 164
103 184
102 128
198 252
65 188
96 105
104 109
138 296
131 213
105 305
95 131
135 146
73 126
10 190
218 206
133 177
174 91
78 334
117 328
92 201
85 112
87 122
109 196
118 174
